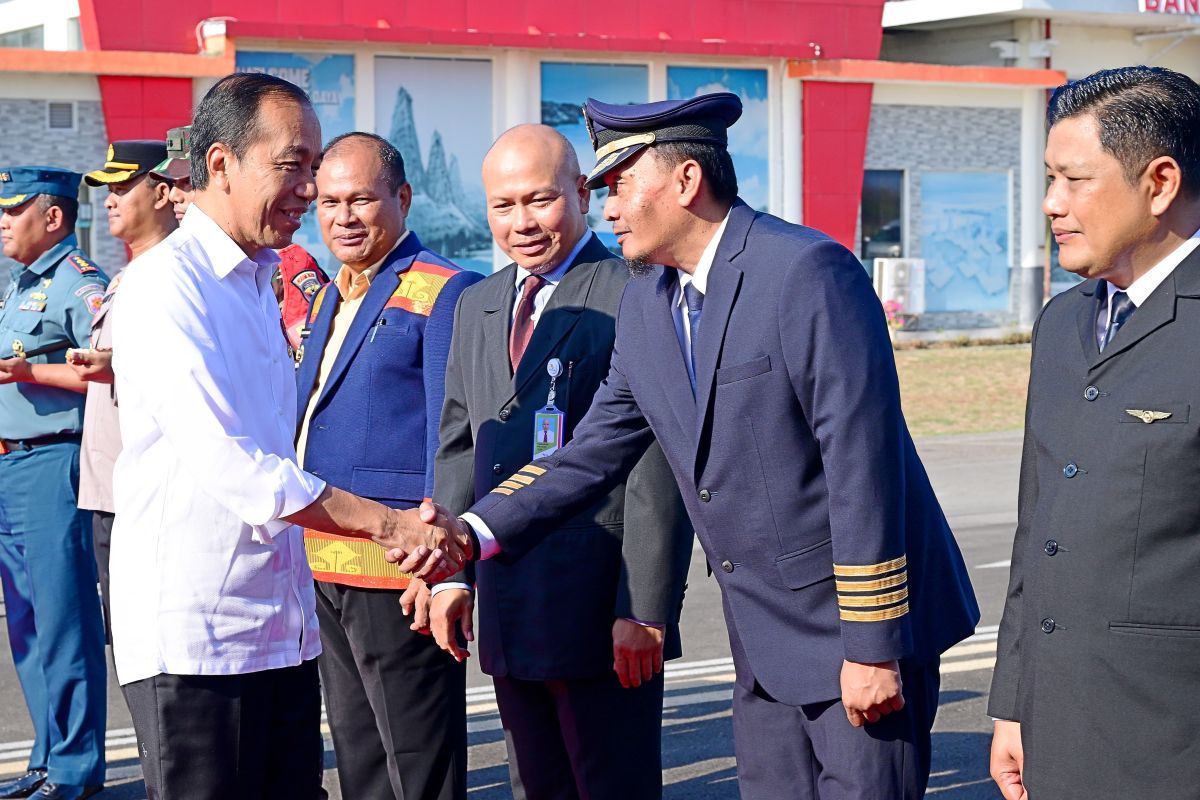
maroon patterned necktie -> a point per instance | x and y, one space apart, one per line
522 327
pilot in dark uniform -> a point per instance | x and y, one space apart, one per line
759 358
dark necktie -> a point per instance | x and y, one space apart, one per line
695 304
522 327
1122 310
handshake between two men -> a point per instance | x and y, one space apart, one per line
425 541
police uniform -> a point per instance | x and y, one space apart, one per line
46 562
127 160
775 399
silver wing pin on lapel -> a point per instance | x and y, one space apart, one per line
1147 416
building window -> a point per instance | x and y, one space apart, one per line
749 137
328 79
60 115
443 143
30 38
882 214
74 34
565 88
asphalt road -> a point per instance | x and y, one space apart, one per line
976 481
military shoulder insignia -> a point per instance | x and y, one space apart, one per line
94 301
82 265
308 283
1147 416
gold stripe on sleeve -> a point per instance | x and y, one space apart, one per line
876 600
875 616
871 586
843 571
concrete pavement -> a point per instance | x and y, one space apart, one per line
976 480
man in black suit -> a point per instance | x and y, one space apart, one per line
575 631
1099 648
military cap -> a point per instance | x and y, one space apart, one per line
126 160
619 132
178 163
19 185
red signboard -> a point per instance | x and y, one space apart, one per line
1170 6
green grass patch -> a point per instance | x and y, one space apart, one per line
963 390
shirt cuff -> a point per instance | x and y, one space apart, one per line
441 587
300 491
488 546
656 625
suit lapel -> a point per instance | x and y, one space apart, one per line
1085 318
724 282
561 314
314 348
381 289
497 308
662 334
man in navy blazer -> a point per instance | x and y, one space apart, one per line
371 385
759 358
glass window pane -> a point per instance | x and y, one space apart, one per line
565 88
882 212
329 81
749 138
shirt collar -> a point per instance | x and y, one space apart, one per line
351 285
555 275
1140 290
48 259
224 255
700 275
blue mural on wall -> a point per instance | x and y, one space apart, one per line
965 240
438 114
565 88
329 81
749 138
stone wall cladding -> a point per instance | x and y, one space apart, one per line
27 140
919 139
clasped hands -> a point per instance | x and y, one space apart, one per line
426 541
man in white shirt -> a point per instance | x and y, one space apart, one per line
214 624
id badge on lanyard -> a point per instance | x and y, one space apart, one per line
548 422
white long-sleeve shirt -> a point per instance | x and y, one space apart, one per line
207 578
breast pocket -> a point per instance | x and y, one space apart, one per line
25 321
744 371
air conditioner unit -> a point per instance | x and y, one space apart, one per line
901 280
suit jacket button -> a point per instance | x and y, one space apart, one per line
727 566
497 469
505 414
1051 547
1071 470
705 496
1091 393
1047 625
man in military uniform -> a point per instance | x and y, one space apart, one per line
46 562
177 168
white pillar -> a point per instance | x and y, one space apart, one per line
791 156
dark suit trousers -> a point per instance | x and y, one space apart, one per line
582 739
812 752
102 527
255 736
396 703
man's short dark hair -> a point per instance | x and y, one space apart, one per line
69 206
229 114
389 157
715 163
1143 113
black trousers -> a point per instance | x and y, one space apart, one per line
102 527
812 752
396 703
582 739
255 736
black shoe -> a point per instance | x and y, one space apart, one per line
62 791
25 785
